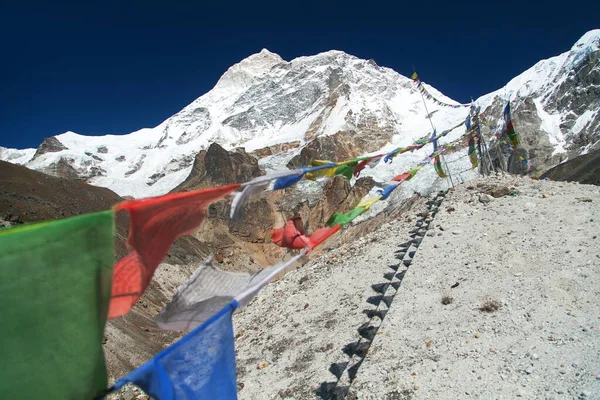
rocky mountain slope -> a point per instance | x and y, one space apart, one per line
582 169
494 297
555 104
334 102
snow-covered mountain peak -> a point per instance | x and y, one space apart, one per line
589 39
242 74
559 98
547 73
270 105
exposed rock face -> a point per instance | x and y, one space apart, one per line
275 149
338 147
582 169
554 104
216 166
534 144
49 145
259 219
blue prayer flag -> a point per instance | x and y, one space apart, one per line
286 181
390 156
385 193
199 366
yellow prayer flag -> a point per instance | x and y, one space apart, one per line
366 203
328 172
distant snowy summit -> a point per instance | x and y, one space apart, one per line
265 102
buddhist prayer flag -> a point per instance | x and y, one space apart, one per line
286 181
437 163
361 165
209 289
344 219
154 225
510 129
370 162
240 199
199 366
366 203
346 169
389 157
319 169
472 152
414 76
293 236
413 171
402 177
55 280
385 193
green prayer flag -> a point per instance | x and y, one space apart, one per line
346 170
343 219
55 282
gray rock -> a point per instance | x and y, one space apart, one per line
485 198
529 370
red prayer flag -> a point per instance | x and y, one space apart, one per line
155 224
402 177
320 235
292 235
361 165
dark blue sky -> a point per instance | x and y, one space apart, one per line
115 67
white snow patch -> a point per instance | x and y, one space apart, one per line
583 120
551 125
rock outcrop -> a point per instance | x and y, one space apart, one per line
217 166
582 169
49 145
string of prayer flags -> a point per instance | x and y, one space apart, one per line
209 289
429 96
293 236
55 280
199 366
510 129
155 223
